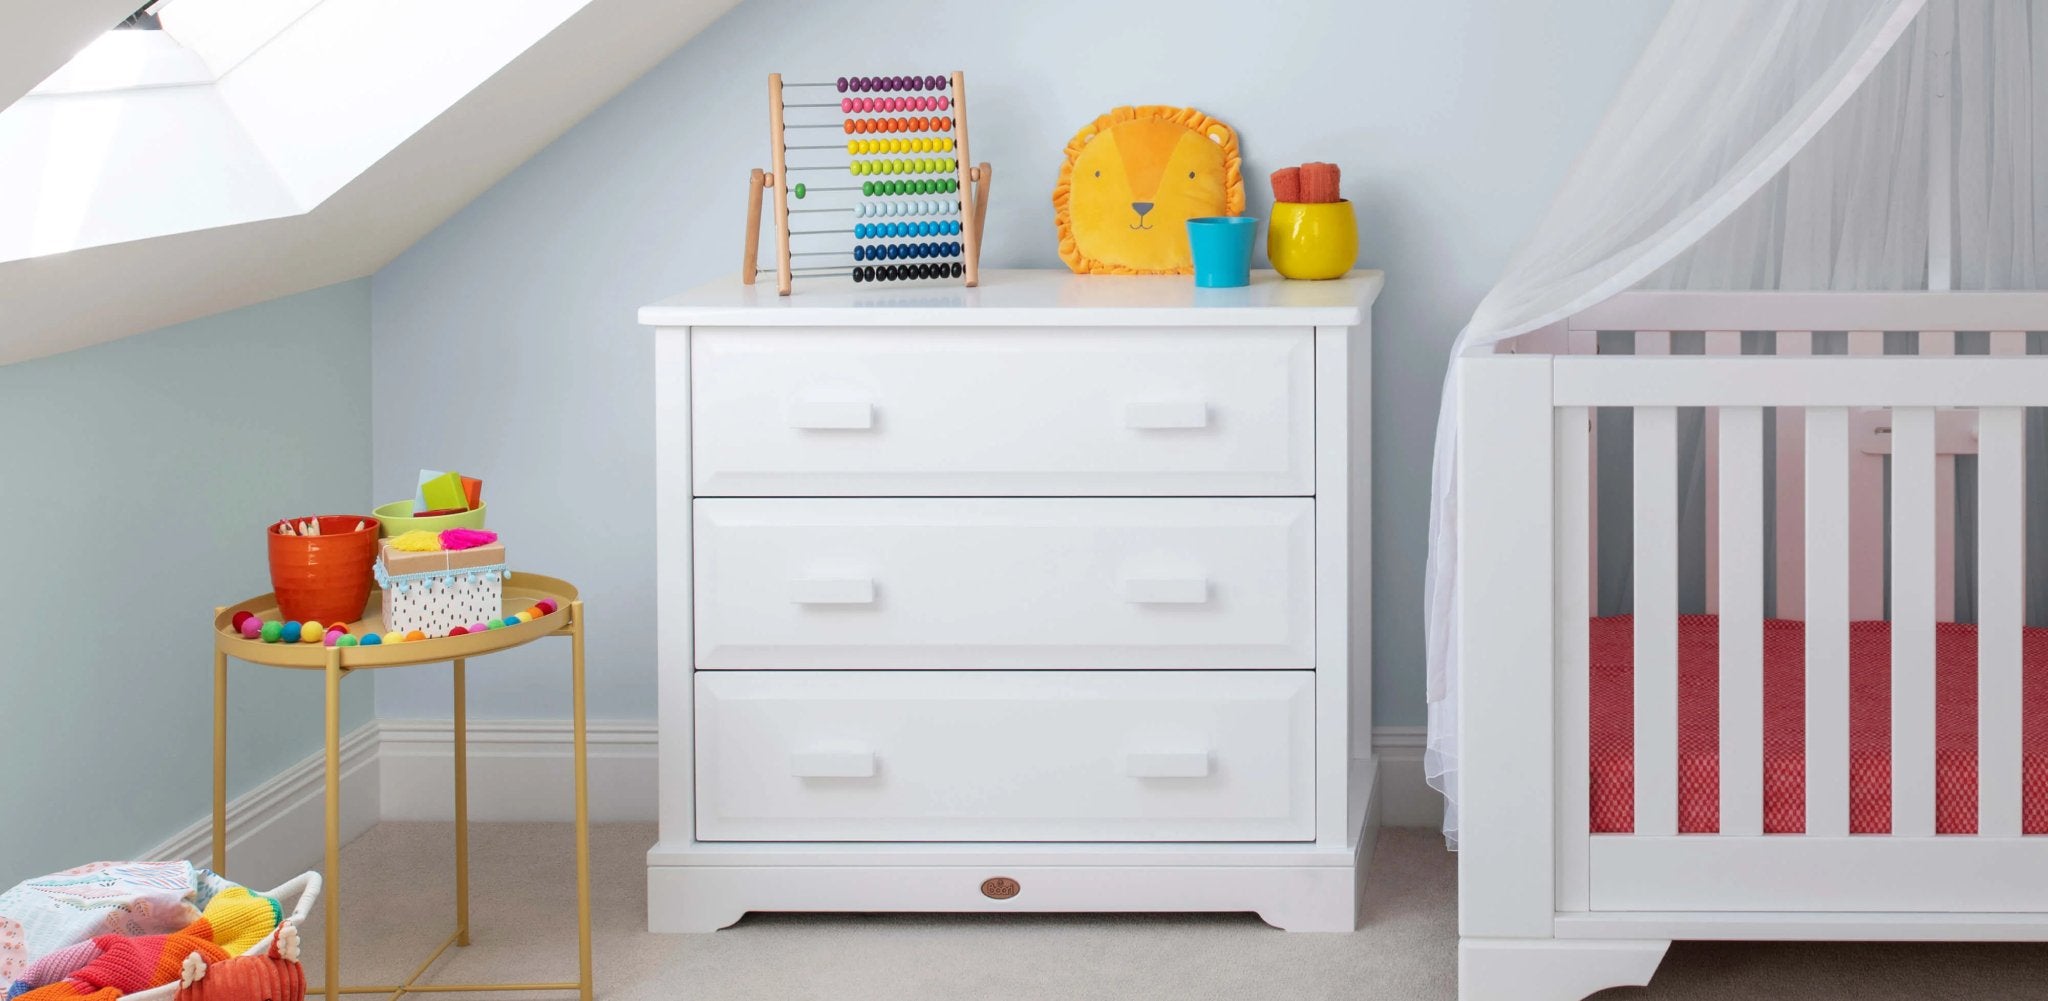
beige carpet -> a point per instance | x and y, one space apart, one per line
396 906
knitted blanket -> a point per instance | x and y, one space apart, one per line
114 965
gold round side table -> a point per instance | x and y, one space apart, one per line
521 591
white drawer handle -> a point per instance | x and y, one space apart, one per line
832 591
832 416
1167 765
1166 415
1166 590
832 764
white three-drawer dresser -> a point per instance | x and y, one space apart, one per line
1047 595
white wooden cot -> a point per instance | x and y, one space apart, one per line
1550 911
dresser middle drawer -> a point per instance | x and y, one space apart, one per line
1069 583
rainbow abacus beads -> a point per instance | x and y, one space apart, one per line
864 84
869 125
874 230
907 272
936 144
905 165
903 251
870 210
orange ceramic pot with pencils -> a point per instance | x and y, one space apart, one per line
325 577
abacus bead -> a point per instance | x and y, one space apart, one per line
799 190
842 85
937 82
845 105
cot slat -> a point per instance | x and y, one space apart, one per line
2001 591
1866 510
1914 582
1574 669
1656 620
1942 343
1741 543
1718 342
1587 342
1791 492
1827 621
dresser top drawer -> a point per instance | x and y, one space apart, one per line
810 412
1012 298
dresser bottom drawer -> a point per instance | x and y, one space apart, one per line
1005 755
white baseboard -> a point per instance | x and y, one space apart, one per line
275 829
1406 800
519 770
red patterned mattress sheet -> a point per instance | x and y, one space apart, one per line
1699 808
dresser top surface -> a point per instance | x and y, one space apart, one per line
1024 298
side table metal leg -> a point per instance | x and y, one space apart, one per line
220 762
332 955
461 802
582 755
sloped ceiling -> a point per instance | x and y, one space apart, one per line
61 301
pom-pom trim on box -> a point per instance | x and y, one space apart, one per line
437 599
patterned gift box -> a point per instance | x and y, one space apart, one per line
435 592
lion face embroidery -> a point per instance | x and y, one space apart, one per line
1131 181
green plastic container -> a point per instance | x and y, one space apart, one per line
397 519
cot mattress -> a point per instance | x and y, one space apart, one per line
1784 781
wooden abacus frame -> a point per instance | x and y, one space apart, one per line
973 183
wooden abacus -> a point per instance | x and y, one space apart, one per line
947 197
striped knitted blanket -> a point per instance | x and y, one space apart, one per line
110 966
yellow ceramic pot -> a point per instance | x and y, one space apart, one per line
1312 240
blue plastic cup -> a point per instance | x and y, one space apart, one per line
1222 246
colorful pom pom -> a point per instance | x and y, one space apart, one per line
467 538
291 632
415 636
372 639
496 624
345 640
273 631
394 637
478 627
524 617
251 628
458 631
241 617
330 638
547 605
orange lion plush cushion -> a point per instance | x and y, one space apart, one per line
1131 181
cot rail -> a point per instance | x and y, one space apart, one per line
1862 509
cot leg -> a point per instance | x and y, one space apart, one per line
1544 969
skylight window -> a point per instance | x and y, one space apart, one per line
137 53
144 18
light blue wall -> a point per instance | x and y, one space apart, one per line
514 321
135 478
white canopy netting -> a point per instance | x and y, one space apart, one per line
1766 144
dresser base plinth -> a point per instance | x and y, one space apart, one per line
704 886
